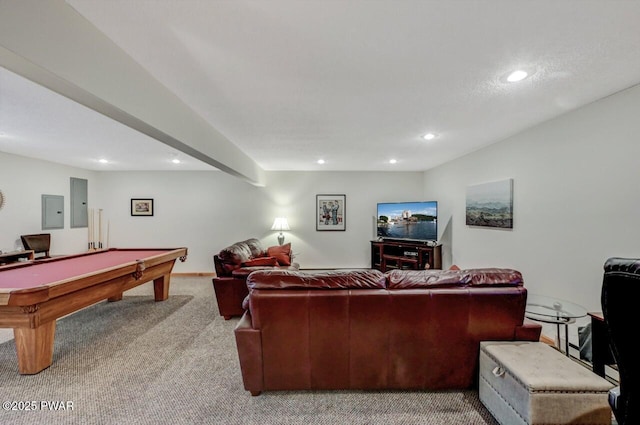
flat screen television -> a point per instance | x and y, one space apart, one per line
408 220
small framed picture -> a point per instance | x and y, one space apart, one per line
141 207
330 212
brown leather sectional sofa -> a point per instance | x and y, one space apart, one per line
363 329
234 263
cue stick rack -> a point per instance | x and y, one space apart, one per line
95 241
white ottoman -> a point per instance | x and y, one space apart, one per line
533 383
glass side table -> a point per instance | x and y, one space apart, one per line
556 311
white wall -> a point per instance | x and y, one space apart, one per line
204 210
576 199
293 195
209 210
23 181
201 210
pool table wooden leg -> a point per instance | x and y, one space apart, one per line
115 298
35 347
161 287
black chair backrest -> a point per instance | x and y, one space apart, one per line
620 297
39 243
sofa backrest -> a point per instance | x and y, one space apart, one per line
252 255
374 279
403 279
243 251
231 257
338 279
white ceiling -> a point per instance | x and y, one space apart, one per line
355 82
38 123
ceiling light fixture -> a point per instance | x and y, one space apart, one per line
517 75
429 136
103 161
392 161
320 161
175 161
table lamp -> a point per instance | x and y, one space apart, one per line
280 224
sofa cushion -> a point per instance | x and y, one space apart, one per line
228 268
282 253
255 247
243 272
402 279
261 261
286 279
494 276
236 254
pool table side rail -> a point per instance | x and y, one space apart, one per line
53 259
113 288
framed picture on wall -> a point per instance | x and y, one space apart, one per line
490 204
141 206
330 212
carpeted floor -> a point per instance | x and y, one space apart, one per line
174 362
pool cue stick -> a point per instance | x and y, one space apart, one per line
108 225
93 229
88 230
100 228
90 227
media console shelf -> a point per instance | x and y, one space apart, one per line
393 254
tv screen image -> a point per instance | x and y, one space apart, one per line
408 220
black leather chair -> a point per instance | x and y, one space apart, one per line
39 243
620 295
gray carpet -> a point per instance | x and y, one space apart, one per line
174 362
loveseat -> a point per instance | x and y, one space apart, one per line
234 263
362 329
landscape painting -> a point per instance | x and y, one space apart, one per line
490 204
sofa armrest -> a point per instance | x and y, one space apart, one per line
230 293
529 331
249 345
217 263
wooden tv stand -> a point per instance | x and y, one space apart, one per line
413 255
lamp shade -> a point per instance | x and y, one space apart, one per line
280 224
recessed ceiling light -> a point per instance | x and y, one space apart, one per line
392 161
429 136
103 161
175 161
516 76
320 161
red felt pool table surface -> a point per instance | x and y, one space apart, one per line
36 293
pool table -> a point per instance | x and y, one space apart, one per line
34 294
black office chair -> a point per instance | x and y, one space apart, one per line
39 243
620 297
